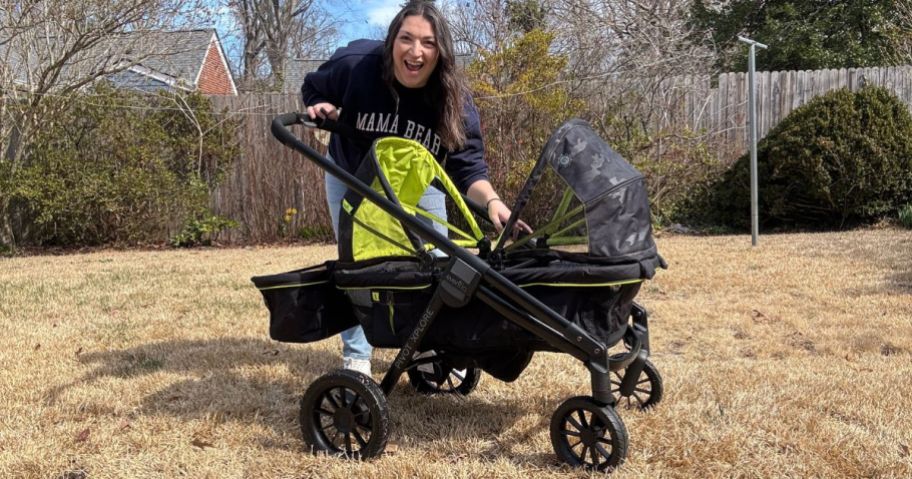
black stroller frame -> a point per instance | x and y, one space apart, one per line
468 276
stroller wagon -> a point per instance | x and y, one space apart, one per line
488 308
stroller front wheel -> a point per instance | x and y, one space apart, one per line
646 393
587 434
345 413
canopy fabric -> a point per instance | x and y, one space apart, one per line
612 192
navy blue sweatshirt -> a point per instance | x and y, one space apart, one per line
353 81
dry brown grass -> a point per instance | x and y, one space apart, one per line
789 360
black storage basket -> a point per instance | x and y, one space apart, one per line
305 305
390 298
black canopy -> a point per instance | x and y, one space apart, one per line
612 191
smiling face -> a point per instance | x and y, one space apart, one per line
415 52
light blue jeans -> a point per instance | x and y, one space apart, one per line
354 344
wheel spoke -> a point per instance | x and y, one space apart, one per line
349 397
595 456
644 391
568 432
584 452
335 436
354 401
604 452
576 424
637 396
326 404
361 442
646 380
325 421
332 399
344 396
364 425
323 412
582 417
348 443
461 376
361 414
449 380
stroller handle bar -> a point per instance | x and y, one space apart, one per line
343 129
568 337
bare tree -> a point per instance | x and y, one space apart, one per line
643 38
639 64
482 25
634 64
50 49
273 31
250 32
611 46
902 17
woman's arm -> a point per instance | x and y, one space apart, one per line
482 192
323 90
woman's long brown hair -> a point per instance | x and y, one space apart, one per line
447 86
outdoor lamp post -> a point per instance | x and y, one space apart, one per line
752 113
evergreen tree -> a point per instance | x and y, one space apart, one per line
526 15
808 34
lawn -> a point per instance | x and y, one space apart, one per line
791 359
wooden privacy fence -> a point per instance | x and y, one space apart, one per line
269 178
722 111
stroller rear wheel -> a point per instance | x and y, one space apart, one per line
587 434
439 378
345 413
647 392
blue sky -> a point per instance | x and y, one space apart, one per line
357 19
362 18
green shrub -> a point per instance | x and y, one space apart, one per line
121 167
202 232
842 159
314 233
517 113
678 168
905 216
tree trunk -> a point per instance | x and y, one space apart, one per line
11 158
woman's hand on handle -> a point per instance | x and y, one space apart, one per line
500 214
323 110
483 193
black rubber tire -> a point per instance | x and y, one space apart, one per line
646 394
600 436
345 413
444 379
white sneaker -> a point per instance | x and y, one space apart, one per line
361 365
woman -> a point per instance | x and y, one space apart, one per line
407 86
